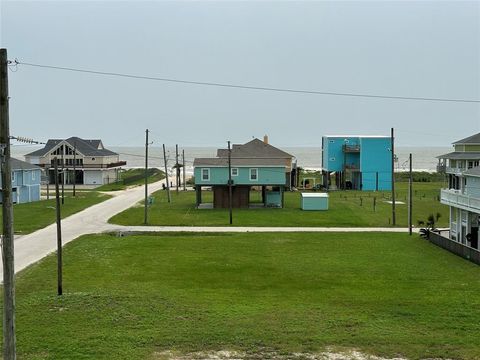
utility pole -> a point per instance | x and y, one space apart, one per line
74 166
9 346
63 174
392 139
230 182
177 169
183 169
59 231
145 221
166 173
410 199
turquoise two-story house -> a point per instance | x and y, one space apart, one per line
256 164
25 181
362 162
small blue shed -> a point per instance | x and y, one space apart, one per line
314 201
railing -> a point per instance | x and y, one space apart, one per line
441 168
352 167
86 166
351 148
454 170
457 199
455 247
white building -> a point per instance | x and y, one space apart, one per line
86 161
463 192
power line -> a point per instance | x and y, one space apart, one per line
245 87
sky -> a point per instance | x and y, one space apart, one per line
406 48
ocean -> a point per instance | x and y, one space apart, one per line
424 158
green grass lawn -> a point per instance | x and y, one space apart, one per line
130 297
346 208
133 177
32 216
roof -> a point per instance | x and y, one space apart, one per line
222 162
458 155
315 195
16 164
358 136
85 147
473 171
255 149
474 139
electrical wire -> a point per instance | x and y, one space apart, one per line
245 87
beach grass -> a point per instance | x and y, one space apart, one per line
29 217
135 297
346 209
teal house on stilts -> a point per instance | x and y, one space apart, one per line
256 164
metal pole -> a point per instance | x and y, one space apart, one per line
230 182
177 177
9 341
166 173
145 221
183 168
392 139
410 199
59 231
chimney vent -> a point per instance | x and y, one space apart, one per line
265 139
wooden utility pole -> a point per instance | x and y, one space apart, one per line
74 166
63 174
177 169
59 231
230 182
410 199
392 139
183 170
166 173
145 220
9 346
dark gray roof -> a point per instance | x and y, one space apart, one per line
256 149
473 171
474 139
238 162
458 155
86 147
16 164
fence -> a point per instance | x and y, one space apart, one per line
454 247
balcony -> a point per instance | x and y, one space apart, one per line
86 166
457 199
455 170
351 148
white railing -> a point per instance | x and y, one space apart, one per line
457 199
454 170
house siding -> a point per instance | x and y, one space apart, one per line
473 186
219 176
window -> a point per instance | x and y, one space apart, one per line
13 176
33 174
234 171
205 174
332 159
253 174
332 141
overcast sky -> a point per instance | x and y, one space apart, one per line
407 48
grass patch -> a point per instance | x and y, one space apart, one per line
133 177
29 217
131 297
347 208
